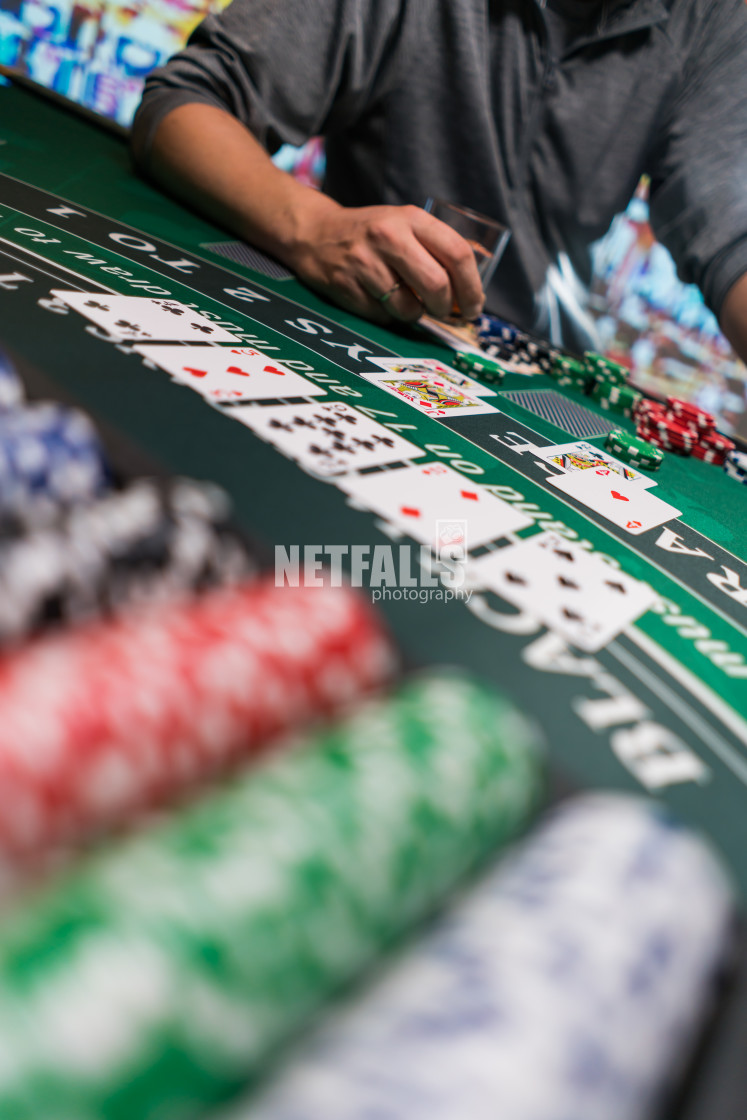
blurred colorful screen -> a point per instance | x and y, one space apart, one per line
96 52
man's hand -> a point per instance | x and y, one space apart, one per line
354 256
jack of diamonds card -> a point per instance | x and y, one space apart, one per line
327 438
220 373
437 506
430 394
571 591
140 318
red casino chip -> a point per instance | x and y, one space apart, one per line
690 413
112 718
714 441
709 455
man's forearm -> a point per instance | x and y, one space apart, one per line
354 255
734 317
207 158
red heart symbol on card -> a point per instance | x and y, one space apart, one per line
620 497
272 369
633 525
237 369
195 372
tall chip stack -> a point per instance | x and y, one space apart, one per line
106 720
570 983
150 541
162 974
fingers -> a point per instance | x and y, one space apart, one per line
433 260
456 256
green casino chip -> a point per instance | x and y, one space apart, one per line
159 976
634 450
487 369
613 371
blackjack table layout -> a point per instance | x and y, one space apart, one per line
293 408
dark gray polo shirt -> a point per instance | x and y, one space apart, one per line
464 99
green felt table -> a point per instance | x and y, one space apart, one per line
661 709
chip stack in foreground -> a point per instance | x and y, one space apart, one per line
146 543
569 985
735 466
105 720
161 976
50 457
634 450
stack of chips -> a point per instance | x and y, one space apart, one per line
612 371
162 974
634 450
568 372
481 366
683 428
735 466
102 721
50 457
148 542
513 347
569 984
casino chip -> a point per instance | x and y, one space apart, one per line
606 368
166 970
634 450
50 457
571 981
735 466
105 720
481 366
617 398
147 543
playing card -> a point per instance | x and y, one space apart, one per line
580 456
429 367
328 438
437 506
623 503
430 394
230 374
139 318
575 593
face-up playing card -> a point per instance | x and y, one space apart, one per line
623 503
436 505
140 318
575 593
429 367
230 374
328 438
430 394
582 456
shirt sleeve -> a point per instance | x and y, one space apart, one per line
288 71
699 171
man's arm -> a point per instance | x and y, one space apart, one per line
209 159
734 316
